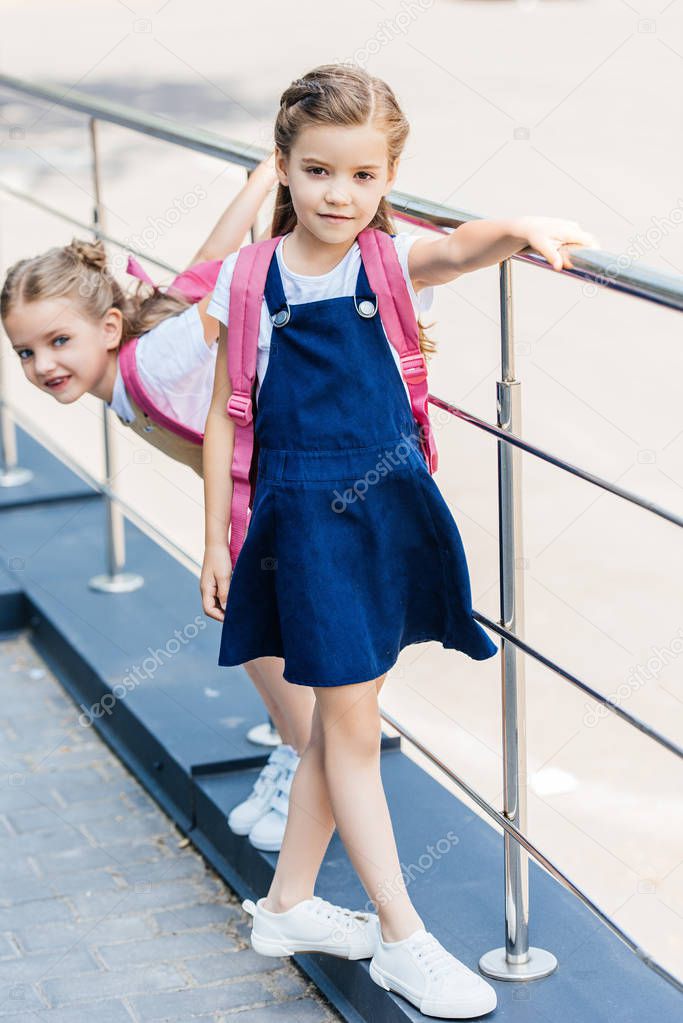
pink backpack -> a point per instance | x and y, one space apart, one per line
246 296
193 284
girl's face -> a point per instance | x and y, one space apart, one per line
337 176
61 351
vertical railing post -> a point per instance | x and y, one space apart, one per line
515 961
11 474
115 580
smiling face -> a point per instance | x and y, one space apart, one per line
336 175
61 351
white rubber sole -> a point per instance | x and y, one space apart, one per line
240 829
427 1008
265 846
244 829
276 947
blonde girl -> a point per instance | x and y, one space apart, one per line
68 321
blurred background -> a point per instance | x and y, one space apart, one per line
558 108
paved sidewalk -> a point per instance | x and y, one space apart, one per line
106 914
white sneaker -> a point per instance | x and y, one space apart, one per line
313 925
243 816
269 830
438 984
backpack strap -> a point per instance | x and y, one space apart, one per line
246 298
193 284
134 386
385 275
197 281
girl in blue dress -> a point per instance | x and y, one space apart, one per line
333 577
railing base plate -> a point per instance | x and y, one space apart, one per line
539 964
16 477
264 735
122 582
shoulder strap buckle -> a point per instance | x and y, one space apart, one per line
413 367
240 407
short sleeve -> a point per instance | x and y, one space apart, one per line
423 299
219 306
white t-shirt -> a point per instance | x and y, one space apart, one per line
336 283
176 367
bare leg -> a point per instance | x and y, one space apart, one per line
310 825
352 730
347 730
309 828
290 706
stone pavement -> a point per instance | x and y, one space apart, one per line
107 913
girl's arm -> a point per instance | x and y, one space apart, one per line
240 215
228 233
219 439
480 243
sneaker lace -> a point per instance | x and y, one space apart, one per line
342 917
436 960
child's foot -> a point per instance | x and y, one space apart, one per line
244 816
438 984
313 925
269 830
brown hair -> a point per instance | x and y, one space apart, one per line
79 271
340 94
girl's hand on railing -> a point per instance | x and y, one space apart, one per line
215 580
548 235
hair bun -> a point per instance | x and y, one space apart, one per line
301 89
90 254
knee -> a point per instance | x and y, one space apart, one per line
355 738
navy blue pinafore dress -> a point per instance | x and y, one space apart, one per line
351 552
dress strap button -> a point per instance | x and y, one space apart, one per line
366 308
280 317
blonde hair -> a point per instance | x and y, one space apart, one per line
340 94
79 271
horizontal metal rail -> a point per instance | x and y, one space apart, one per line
595 265
560 463
54 212
605 701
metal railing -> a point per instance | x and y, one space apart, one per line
516 960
